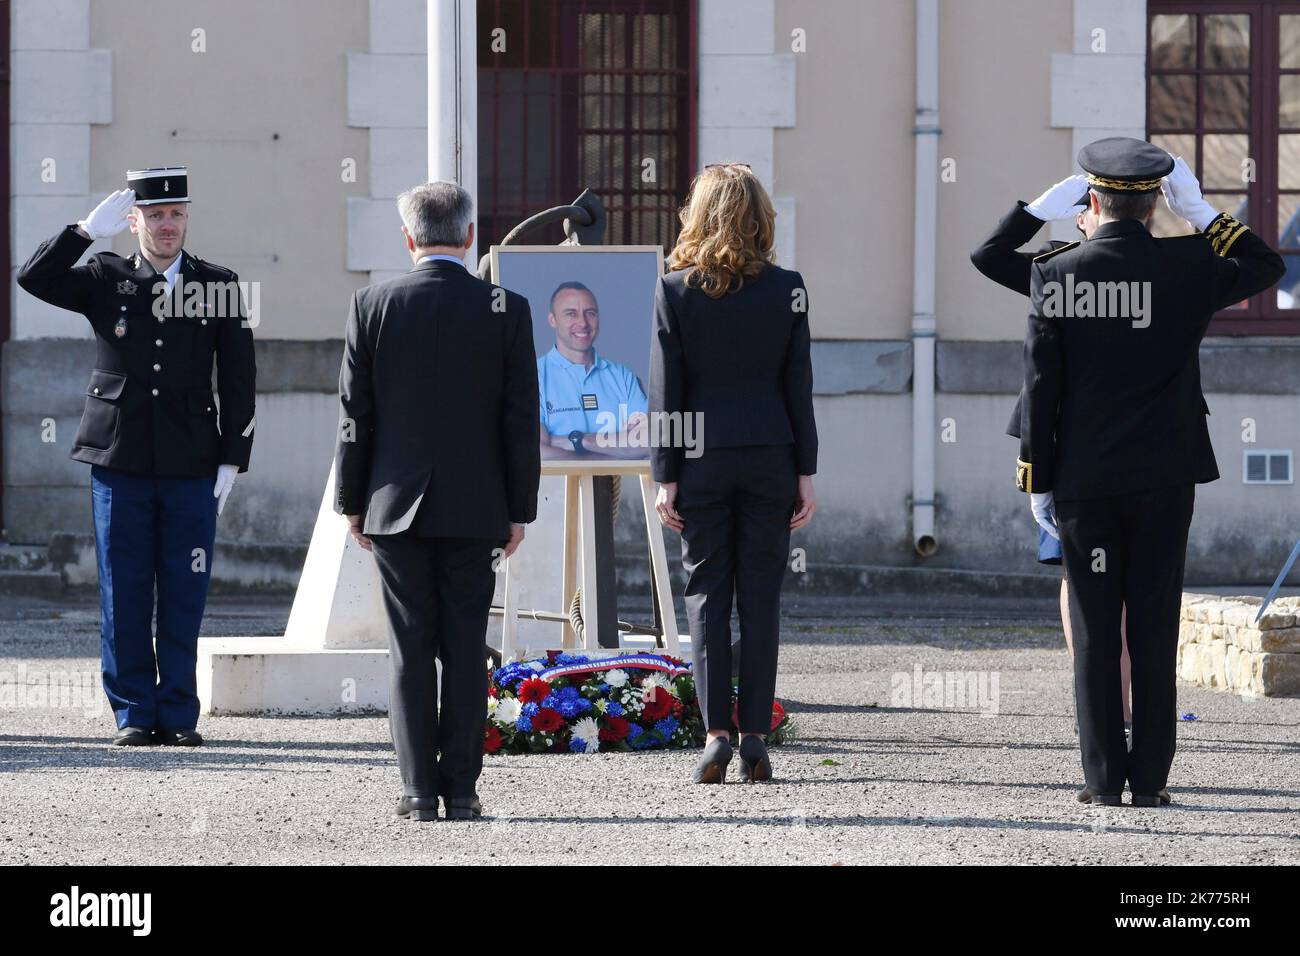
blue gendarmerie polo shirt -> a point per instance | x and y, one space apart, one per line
572 396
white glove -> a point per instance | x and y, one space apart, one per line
109 217
1044 508
1183 194
225 481
1061 201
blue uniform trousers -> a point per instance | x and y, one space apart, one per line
152 532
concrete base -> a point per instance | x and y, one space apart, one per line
268 675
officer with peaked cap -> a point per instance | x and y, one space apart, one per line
163 450
1114 440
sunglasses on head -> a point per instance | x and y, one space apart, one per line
729 166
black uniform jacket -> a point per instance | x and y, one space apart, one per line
149 402
742 362
439 406
1113 402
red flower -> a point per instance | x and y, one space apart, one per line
547 720
778 714
677 708
492 690
534 691
658 705
492 740
615 729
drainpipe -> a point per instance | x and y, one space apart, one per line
926 132
453 97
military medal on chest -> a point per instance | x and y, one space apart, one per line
119 329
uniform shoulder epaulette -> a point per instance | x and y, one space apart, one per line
1041 257
212 267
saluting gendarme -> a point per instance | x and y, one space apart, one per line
163 449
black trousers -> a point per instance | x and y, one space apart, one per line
438 593
736 505
1126 552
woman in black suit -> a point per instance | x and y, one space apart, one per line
730 366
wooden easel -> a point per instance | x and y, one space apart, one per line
581 562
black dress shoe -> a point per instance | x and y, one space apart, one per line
755 766
418 808
462 808
178 738
1160 798
712 767
133 737
1098 799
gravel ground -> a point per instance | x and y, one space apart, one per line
869 778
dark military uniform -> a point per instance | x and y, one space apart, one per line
1114 425
155 435
149 403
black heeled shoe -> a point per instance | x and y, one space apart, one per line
712 767
755 766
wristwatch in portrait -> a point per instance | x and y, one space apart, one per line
575 439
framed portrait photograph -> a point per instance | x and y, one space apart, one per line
592 310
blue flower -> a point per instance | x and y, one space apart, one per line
524 724
666 726
552 701
633 731
642 741
614 709
584 705
529 710
568 708
577 745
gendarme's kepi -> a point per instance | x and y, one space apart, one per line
1121 164
159 184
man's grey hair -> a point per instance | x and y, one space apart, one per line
1137 206
436 214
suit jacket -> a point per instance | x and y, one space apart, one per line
149 403
743 362
439 406
1113 405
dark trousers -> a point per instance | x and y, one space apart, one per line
1142 540
736 505
438 594
152 533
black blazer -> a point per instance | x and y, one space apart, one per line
439 400
743 362
1112 408
149 403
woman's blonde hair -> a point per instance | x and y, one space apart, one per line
728 225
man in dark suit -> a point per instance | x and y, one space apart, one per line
1113 437
437 471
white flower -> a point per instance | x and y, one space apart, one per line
506 712
588 731
653 684
601 705
616 678
492 705
537 665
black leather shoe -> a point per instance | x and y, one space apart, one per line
712 767
418 808
1098 799
178 738
462 808
755 766
1160 798
133 737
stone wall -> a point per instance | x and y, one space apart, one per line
1221 646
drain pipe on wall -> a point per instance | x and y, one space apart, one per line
924 331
